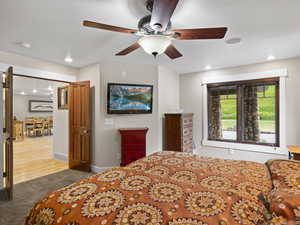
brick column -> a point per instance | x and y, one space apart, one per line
215 126
251 125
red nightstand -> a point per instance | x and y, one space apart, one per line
133 144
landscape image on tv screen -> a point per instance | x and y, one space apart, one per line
125 98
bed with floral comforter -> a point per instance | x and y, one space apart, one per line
164 188
285 197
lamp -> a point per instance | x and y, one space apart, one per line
154 44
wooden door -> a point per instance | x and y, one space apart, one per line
7 193
80 126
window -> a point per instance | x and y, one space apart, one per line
244 112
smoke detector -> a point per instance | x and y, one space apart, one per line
233 41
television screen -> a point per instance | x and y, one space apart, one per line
129 98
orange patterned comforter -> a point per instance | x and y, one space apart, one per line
285 198
163 188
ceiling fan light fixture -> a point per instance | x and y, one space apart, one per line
154 44
68 59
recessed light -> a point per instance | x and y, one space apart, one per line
50 88
34 91
25 44
22 93
271 57
208 67
233 41
68 59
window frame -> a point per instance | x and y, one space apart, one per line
239 103
280 74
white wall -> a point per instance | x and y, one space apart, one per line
106 138
36 64
191 101
168 97
21 106
60 128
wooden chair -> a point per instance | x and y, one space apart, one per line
29 126
50 125
18 132
39 127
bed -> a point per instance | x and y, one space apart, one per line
284 198
164 188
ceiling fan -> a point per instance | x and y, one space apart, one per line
156 32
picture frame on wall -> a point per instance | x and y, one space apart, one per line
40 106
63 97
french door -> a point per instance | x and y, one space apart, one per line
7 192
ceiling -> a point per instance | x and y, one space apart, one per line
54 29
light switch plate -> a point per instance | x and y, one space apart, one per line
109 122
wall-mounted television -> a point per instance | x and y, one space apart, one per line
129 98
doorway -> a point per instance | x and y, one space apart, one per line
38 149
70 123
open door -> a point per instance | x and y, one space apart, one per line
80 126
7 192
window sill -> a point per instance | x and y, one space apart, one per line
246 147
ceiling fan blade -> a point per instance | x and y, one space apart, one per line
172 52
202 33
108 27
161 13
128 50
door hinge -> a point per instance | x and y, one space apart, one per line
4 174
10 139
5 85
4 130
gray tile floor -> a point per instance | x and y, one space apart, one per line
28 193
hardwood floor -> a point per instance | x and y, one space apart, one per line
33 158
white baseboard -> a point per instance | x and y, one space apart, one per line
97 169
60 157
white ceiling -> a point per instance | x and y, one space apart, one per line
53 28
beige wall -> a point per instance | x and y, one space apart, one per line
168 97
191 101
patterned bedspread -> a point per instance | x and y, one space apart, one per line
163 188
285 198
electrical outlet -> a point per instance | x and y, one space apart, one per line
124 73
118 155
